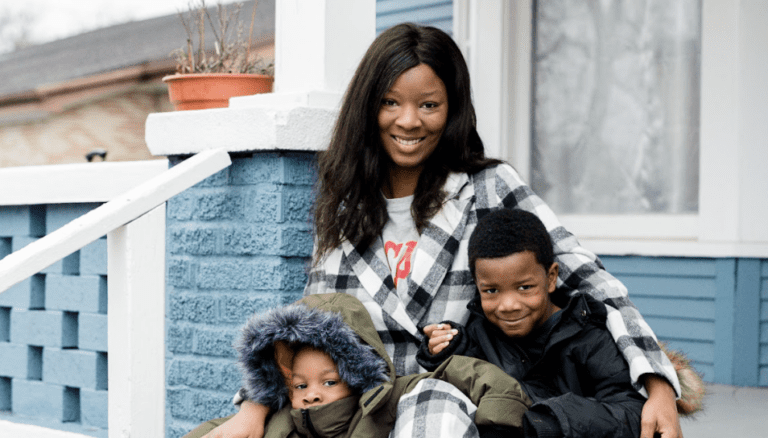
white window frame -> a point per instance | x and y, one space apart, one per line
733 202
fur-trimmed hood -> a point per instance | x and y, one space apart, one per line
336 323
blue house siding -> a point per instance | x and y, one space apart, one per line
53 333
763 323
437 13
238 243
708 308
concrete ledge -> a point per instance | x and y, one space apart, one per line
289 128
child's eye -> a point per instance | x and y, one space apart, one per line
300 386
489 291
331 383
388 102
525 287
429 105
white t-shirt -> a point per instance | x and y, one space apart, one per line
400 239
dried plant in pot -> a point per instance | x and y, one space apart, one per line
208 78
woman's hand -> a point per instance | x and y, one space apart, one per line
440 336
660 411
247 423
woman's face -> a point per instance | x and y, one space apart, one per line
412 117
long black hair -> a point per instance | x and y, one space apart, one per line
352 171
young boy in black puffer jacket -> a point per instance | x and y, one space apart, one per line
556 346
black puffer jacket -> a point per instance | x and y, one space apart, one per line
580 386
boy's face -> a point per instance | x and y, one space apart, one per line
514 292
315 380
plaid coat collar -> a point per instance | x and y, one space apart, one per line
432 259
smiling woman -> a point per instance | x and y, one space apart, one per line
411 119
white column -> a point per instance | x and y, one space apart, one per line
136 308
318 45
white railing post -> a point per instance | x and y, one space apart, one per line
136 308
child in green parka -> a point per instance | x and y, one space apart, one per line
321 367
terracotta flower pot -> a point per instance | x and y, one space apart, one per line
213 90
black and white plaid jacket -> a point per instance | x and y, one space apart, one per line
440 285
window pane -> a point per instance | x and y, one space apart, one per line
616 105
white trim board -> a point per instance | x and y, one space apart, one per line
74 183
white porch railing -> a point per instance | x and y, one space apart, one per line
135 227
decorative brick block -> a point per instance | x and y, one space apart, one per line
5 324
76 293
5 394
14 360
93 408
92 331
22 221
58 215
44 400
27 294
75 368
93 258
69 265
46 328
5 246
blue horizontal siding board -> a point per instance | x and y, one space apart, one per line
387 6
666 286
666 266
414 16
675 307
697 351
676 329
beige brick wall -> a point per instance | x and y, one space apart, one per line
115 123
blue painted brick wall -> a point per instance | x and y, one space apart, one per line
53 327
237 243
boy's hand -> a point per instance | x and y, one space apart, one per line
440 335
